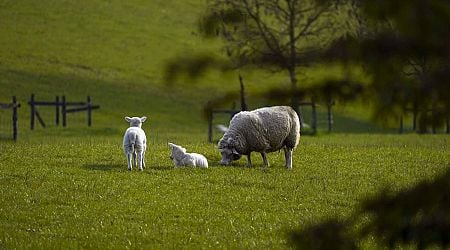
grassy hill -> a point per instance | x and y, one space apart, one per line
115 52
111 50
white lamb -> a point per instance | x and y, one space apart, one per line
181 158
135 142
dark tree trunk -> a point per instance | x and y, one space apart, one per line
293 56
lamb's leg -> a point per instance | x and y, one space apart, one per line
264 156
140 160
249 161
288 157
130 166
134 158
143 159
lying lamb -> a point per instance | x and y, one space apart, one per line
181 158
263 130
135 142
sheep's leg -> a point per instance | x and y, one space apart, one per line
288 157
140 160
134 158
143 159
264 157
130 166
249 161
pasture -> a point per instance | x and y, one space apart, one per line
76 192
70 188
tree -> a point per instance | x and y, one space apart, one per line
277 34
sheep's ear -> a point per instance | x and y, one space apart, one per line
170 145
128 119
143 118
234 151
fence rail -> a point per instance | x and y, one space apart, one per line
60 107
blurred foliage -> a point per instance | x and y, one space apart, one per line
418 216
332 234
192 66
405 47
269 34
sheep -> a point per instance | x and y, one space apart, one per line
181 158
135 142
262 130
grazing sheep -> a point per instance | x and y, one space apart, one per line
181 158
262 130
135 142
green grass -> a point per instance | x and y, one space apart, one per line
76 192
69 187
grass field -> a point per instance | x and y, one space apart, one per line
76 192
69 187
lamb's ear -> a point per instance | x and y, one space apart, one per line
143 118
234 151
128 119
170 145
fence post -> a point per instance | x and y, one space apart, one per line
400 131
433 119
89 111
57 110
300 117
314 117
32 112
15 117
330 117
210 121
63 107
448 126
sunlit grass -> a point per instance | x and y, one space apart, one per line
77 192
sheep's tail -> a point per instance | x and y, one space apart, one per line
132 139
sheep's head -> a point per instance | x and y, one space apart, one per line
176 151
135 121
228 151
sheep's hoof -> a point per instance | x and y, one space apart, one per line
129 169
141 169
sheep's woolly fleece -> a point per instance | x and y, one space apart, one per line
135 142
263 130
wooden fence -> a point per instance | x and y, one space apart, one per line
61 106
314 119
14 105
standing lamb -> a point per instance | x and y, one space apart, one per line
262 130
135 142
181 158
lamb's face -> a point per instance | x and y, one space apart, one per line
176 151
229 155
136 121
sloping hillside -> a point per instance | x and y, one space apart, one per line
115 51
